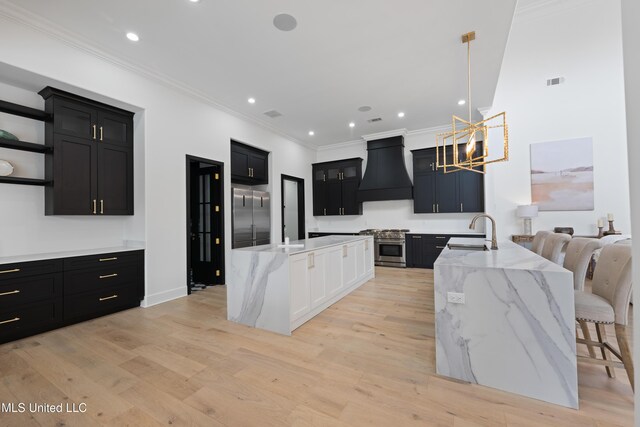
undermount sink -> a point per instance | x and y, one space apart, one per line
467 247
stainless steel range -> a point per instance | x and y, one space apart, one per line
390 248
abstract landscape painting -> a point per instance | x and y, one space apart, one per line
562 175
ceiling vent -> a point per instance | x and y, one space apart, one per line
377 119
555 81
273 113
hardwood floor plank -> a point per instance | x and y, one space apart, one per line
367 360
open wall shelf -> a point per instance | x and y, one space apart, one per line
22 111
23 181
24 146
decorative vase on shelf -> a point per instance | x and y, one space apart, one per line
8 135
6 168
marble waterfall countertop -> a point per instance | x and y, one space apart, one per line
515 330
309 245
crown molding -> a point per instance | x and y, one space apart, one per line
429 130
35 22
543 8
385 134
341 145
484 110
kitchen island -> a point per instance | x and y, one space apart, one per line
514 326
278 289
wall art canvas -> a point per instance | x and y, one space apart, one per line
562 175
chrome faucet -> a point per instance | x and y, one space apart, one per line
494 241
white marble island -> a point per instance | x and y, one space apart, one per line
278 289
515 330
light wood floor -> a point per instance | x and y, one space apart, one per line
367 360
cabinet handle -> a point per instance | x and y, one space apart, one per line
13 270
431 166
100 133
433 209
106 298
94 206
15 319
311 260
106 276
101 206
461 210
10 293
108 259
325 211
417 237
437 208
94 131
441 237
324 177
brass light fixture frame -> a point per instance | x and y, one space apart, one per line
466 132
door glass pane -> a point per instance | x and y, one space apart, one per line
332 173
390 250
350 171
201 240
319 175
207 247
423 164
207 214
200 181
207 189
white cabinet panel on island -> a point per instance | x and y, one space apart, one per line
279 289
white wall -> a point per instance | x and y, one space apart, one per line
581 41
631 42
391 213
174 124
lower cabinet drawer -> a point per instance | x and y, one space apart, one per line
25 290
97 279
21 321
99 303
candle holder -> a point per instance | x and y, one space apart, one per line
600 232
611 230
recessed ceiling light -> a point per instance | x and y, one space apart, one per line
401 114
251 100
352 125
462 102
311 133
194 1
285 22
133 37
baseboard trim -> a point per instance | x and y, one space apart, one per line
160 297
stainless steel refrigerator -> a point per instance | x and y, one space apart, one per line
251 218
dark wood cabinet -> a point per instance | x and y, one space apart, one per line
424 249
438 192
91 165
335 187
249 165
38 296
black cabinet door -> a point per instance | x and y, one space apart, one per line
75 119
115 180
471 191
258 165
239 164
334 197
319 192
424 163
350 205
114 128
75 177
447 192
424 193
415 250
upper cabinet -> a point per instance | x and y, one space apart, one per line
335 187
92 161
249 165
439 192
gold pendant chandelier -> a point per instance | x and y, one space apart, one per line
466 146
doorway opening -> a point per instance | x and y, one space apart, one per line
292 207
205 223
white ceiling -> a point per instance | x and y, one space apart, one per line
402 55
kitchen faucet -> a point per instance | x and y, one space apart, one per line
494 241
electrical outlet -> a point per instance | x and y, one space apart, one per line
455 297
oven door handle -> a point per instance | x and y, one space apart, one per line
390 242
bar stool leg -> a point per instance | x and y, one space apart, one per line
625 351
602 338
587 337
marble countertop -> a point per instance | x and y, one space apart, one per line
69 254
309 244
509 256
471 233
